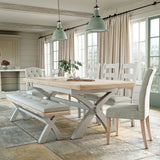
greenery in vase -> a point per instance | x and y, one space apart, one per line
67 66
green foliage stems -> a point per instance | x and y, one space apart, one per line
66 66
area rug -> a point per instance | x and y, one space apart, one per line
22 136
28 131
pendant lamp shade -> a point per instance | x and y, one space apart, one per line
59 33
96 24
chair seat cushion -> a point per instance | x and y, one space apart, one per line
94 96
37 103
124 110
118 99
113 100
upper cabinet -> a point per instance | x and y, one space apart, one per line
9 49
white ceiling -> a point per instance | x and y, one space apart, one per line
76 5
15 16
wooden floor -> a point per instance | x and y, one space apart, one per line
18 140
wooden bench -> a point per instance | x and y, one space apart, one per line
44 110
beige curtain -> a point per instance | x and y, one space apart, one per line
66 48
113 46
40 60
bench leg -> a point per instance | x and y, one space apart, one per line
24 115
50 126
14 115
44 134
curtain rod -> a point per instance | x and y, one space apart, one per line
110 16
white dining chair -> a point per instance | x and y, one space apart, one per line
34 72
128 72
134 111
92 71
109 72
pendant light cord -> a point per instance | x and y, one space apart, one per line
96 4
58 11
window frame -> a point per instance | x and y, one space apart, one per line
50 67
47 60
149 45
149 37
86 50
53 55
139 76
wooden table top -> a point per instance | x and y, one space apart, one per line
79 85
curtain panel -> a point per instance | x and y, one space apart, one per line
113 45
66 48
40 59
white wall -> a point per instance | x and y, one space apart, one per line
28 49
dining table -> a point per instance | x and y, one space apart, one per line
77 88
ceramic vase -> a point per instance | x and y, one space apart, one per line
4 66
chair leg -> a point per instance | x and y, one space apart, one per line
108 130
148 128
132 123
143 133
79 113
117 125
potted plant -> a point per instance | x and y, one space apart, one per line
68 67
5 64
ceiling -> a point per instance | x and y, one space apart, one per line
41 15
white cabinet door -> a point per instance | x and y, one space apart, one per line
6 50
9 49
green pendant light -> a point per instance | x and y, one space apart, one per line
59 33
96 23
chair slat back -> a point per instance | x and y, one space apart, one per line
110 71
144 97
128 72
93 71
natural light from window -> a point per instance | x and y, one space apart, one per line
85 51
139 54
51 49
47 57
154 51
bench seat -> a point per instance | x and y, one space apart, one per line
46 111
42 105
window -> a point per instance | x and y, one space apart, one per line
85 51
47 57
51 49
154 51
92 48
138 49
55 49
80 53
